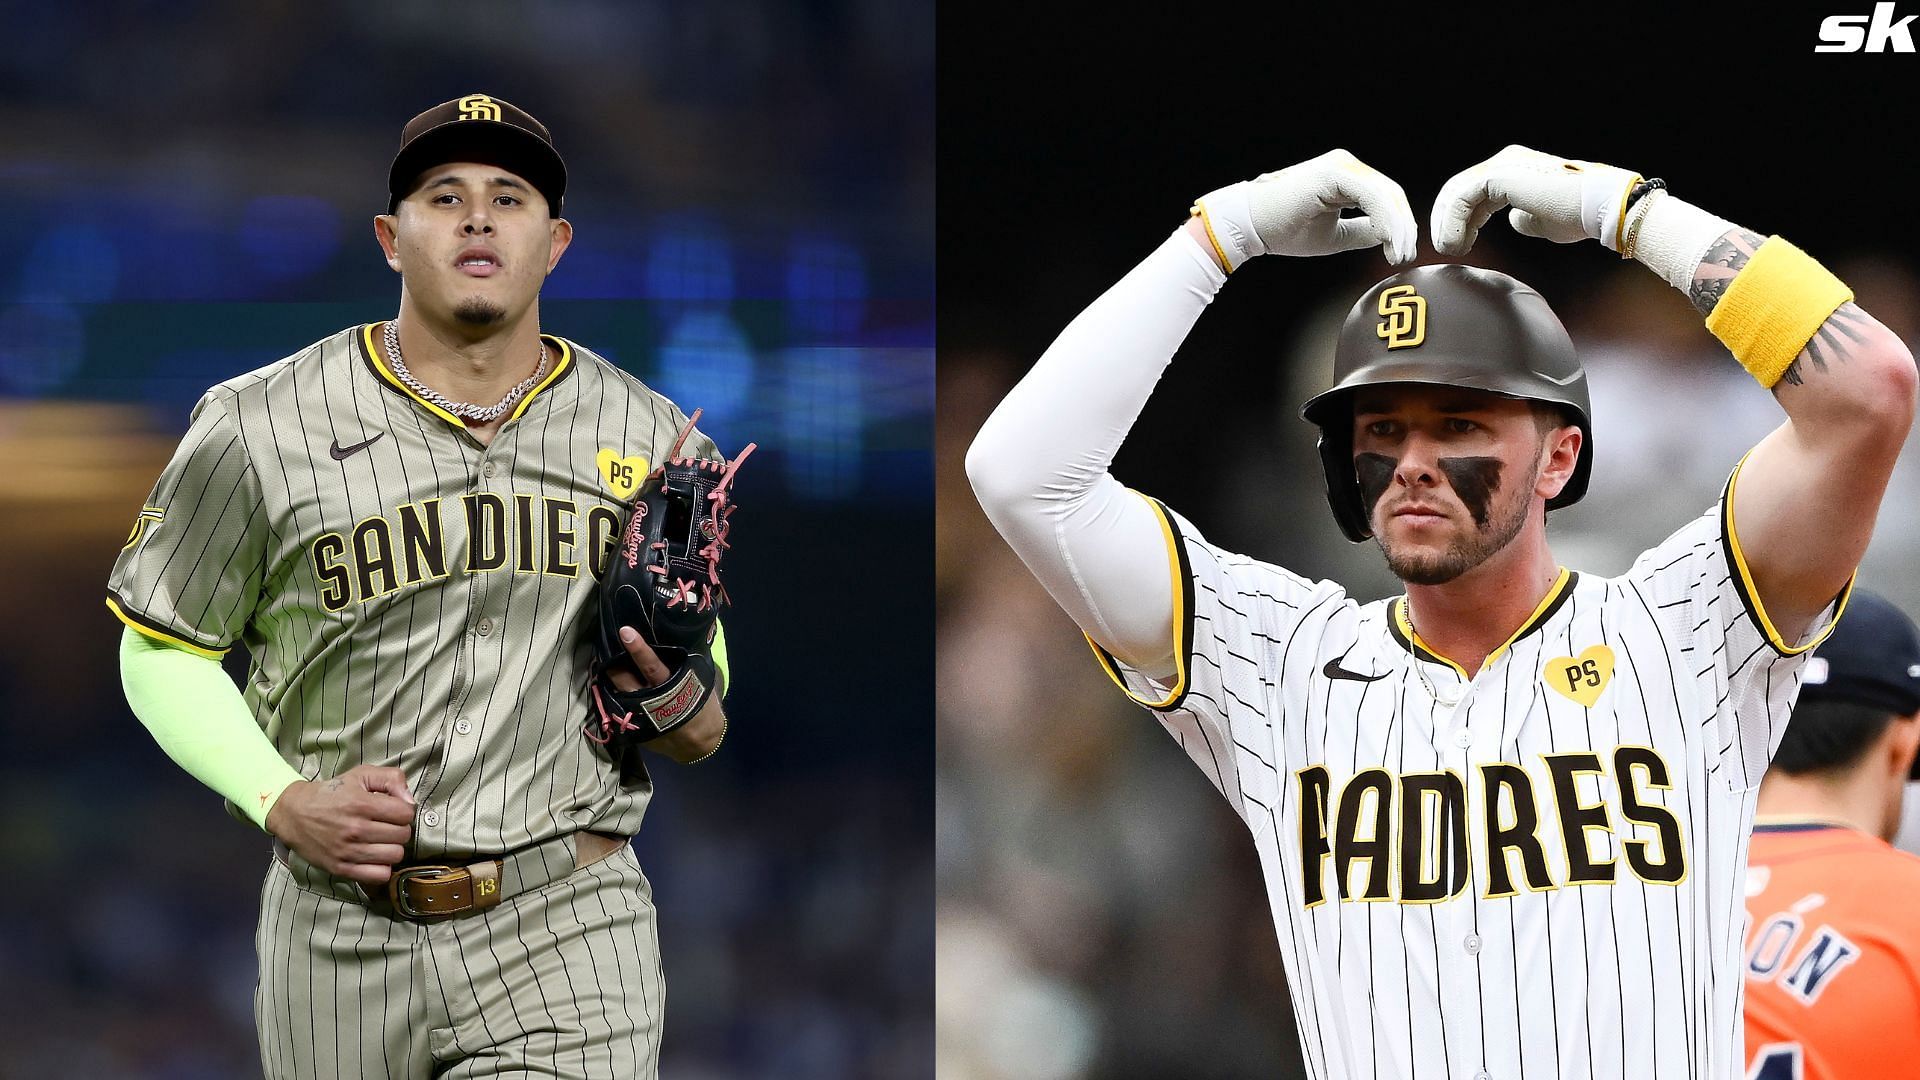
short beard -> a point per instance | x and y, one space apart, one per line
1465 552
477 312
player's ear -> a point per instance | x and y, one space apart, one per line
1903 739
561 234
1559 452
384 229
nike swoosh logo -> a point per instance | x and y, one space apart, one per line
1561 382
342 453
1333 670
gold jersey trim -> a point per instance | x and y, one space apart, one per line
1182 578
373 354
565 354
1402 627
145 626
1206 222
1750 596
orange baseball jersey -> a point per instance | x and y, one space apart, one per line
1832 954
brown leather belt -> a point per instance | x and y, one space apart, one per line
433 891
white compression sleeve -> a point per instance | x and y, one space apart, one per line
1039 463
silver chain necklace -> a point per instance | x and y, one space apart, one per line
1419 667
462 409
1406 606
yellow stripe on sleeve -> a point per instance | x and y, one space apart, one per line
1206 223
1752 595
163 636
1179 624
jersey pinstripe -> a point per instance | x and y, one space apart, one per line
563 981
1533 872
410 596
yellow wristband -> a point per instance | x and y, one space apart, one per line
1774 306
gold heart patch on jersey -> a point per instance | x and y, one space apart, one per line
622 474
1580 679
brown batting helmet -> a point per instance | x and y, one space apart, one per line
1447 325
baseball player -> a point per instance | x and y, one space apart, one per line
1502 817
1832 951
404 523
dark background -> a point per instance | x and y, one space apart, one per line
188 194
1101 913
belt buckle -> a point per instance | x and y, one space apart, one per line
396 891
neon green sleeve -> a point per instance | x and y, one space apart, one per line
198 717
720 656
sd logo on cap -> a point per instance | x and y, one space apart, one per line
482 128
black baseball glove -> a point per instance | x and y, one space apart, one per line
664 581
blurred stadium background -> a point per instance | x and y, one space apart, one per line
189 193
1101 914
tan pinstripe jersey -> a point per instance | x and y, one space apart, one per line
410 596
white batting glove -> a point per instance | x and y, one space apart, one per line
1554 198
1296 211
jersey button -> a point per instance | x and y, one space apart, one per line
1483 1075
1472 943
488 469
463 725
485 627
1463 740
430 819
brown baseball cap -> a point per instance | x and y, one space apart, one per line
480 128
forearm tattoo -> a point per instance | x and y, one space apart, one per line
1843 329
1727 257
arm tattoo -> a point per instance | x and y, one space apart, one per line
1726 258
1843 329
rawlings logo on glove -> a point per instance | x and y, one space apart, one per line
665 584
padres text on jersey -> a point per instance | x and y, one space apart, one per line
1570 820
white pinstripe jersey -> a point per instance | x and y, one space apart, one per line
1542 879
